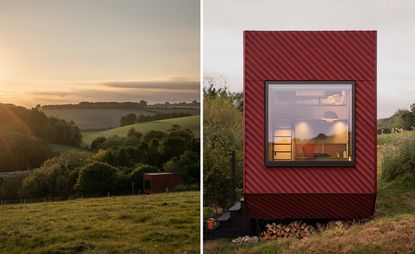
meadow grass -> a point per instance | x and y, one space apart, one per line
391 230
190 122
390 138
159 223
88 119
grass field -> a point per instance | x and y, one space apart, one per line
392 230
190 122
159 223
390 138
89 119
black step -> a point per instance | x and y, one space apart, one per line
224 217
236 207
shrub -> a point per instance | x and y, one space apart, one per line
399 160
188 166
11 185
56 177
96 144
96 178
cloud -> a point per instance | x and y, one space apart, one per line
167 85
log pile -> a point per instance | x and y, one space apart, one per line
299 229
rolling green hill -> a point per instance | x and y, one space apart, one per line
190 122
159 223
95 119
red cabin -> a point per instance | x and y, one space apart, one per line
161 182
310 124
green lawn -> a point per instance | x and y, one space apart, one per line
392 230
94 119
190 122
159 223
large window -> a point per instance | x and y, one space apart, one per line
309 123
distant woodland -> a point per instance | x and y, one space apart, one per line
26 133
117 105
109 165
133 118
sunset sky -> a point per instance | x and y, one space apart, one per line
98 50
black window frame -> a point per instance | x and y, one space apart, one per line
322 164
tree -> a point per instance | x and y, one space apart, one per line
56 177
222 134
96 178
405 118
128 119
153 134
22 152
96 144
215 188
173 147
142 103
133 133
188 166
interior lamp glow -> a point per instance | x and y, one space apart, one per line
329 116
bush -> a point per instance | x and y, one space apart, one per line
222 131
11 185
56 177
399 160
188 166
96 178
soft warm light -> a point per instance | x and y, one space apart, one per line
303 130
339 129
329 116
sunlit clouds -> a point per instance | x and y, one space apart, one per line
32 92
55 52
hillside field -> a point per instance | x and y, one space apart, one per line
190 122
99 119
391 230
159 223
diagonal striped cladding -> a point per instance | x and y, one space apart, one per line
299 56
347 55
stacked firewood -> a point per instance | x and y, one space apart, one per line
298 229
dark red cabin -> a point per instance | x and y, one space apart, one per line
161 182
310 124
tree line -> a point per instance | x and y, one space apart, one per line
110 165
98 105
403 119
117 105
25 135
133 118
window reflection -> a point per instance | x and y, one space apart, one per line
309 122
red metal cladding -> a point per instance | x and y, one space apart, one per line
160 182
310 56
